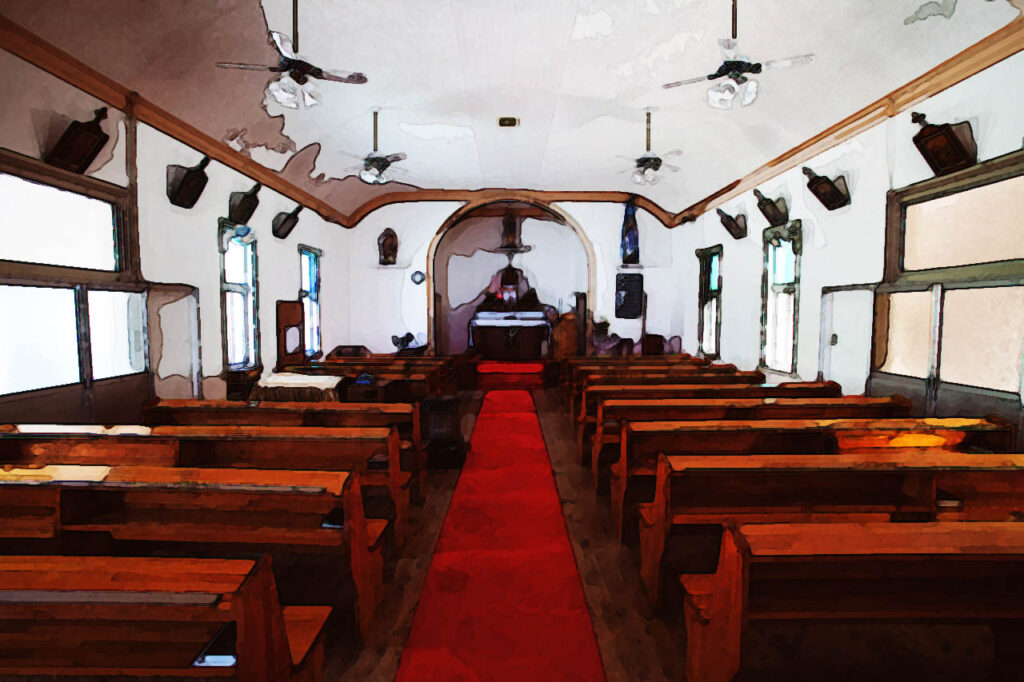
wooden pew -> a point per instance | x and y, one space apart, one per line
570 366
593 396
867 485
245 447
611 414
641 442
403 416
684 375
212 510
142 617
407 386
855 572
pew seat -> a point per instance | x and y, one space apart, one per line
154 617
946 572
908 484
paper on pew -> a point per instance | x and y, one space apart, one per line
55 472
286 379
116 430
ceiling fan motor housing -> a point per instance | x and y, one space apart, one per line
649 162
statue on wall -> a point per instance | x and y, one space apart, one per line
387 247
629 248
509 231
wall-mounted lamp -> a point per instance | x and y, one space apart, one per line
78 147
284 223
186 184
832 194
946 147
736 226
242 205
776 212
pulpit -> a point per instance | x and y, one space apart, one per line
510 336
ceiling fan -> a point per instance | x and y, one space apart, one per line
297 84
648 164
734 71
375 168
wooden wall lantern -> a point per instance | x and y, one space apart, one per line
186 184
242 205
776 212
946 147
736 226
832 194
284 223
80 144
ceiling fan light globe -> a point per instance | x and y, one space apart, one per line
637 176
285 92
650 176
748 92
722 95
383 178
310 95
368 175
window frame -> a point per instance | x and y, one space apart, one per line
793 233
126 277
896 279
127 271
705 295
224 227
317 254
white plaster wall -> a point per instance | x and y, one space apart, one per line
602 224
33 121
383 300
180 246
844 246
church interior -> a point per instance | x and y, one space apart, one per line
571 340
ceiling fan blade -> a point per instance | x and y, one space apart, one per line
397 156
674 152
283 44
354 77
352 169
688 81
674 169
799 60
247 67
360 157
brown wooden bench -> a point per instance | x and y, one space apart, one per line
682 375
226 446
945 572
404 384
571 367
403 416
209 510
642 442
142 617
866 485
611 414
592 397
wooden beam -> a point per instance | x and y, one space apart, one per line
1004 43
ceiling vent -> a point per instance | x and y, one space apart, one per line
508 122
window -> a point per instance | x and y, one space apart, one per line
309 294
950 311
238 296
709 302
116 333
38 338
780 296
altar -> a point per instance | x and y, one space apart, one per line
520 335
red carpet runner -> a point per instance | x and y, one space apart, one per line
503 599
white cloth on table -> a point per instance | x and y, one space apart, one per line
291 380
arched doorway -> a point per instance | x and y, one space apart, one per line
464 256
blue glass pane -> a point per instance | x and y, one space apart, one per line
783 263
713 276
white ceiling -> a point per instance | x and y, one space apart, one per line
579 74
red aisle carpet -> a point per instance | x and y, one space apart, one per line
503 599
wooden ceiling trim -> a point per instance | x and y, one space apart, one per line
1004 43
